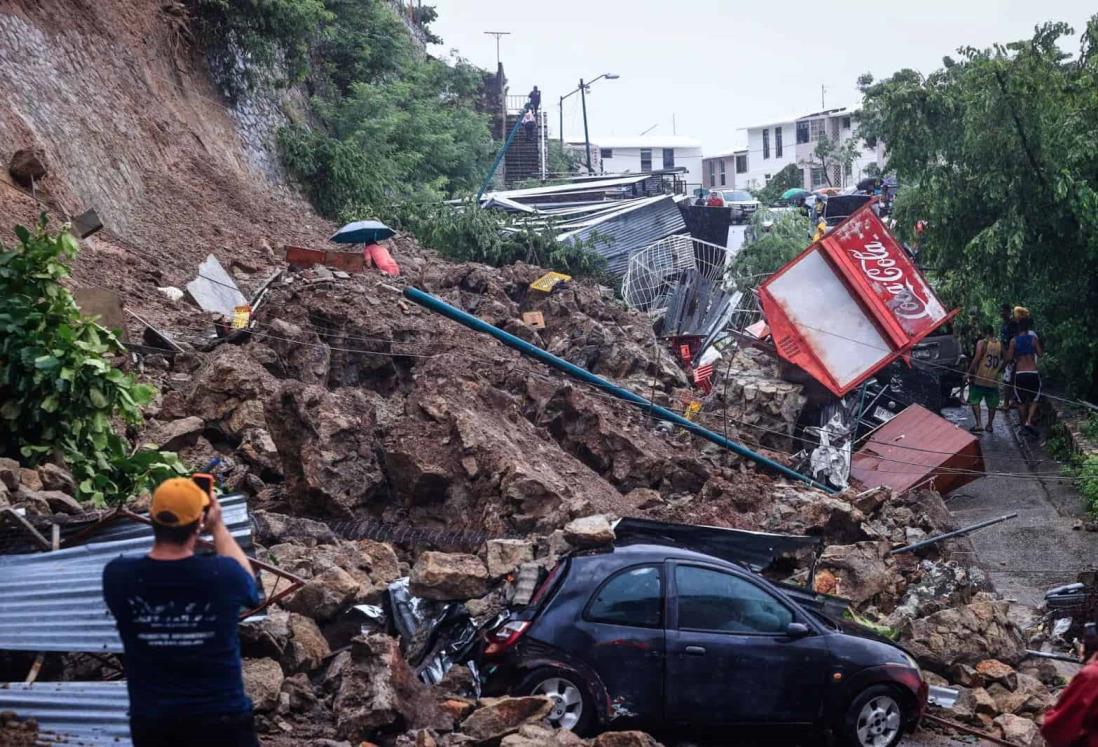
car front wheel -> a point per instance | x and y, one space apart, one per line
573 708
874 719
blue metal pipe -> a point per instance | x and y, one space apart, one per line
438 305
500 155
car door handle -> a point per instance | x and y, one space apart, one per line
695 651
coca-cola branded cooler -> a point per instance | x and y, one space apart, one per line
850 304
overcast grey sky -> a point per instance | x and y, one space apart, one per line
720 65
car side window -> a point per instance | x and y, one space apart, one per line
632 597
713 600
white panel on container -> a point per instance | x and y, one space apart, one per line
836 327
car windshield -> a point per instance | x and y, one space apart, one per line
738 196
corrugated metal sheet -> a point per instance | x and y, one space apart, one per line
620 233
918 448
72 713
14 539
53 601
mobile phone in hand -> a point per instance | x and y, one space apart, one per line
204 481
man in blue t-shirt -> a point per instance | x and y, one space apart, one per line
177 615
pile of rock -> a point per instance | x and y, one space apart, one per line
41 491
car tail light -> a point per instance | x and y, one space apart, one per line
505 636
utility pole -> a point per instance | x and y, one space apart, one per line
497 34
823 94
586 137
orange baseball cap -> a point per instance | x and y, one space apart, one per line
178 502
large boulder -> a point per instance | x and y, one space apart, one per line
860 569
176 434
56 478
538 735
325 595
227 393
307 647
378 689
262 682
302 355
498 717
979 630
372 565
589 531
504 556
273 528
624 739
9 473
1020 731
448 576
326 441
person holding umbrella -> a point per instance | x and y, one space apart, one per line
369 232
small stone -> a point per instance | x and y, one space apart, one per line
1020 731
624 739
324 595
9 473
307 647
60 503
993 670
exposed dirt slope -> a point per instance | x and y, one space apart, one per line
130 124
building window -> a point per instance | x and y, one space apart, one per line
815 129
777 142
802 132
605 153
712 173
766 178
818 178
646 159
722 172
766 143
741 164
846 123
669 158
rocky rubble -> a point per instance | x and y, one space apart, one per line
348 403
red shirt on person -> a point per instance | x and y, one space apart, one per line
1073 721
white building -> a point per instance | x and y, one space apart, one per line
646 153
775 145
726 170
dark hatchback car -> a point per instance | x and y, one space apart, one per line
651 635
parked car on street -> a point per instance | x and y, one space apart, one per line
742 204
651 634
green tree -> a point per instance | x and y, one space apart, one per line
59 392
776 238
835 158
998 147
791 176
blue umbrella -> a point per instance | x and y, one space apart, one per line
362 232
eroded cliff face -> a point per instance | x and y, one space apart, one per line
122 107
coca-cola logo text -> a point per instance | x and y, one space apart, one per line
879 266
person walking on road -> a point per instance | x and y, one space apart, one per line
177 615
1024 350
1007 330
1073 721
983 376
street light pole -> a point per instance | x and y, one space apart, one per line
586 137
560 108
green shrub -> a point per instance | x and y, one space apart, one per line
1087 476
788 234
59 392
469 234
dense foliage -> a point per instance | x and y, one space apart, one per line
59 393
998 147
791 176
775 237
467 234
